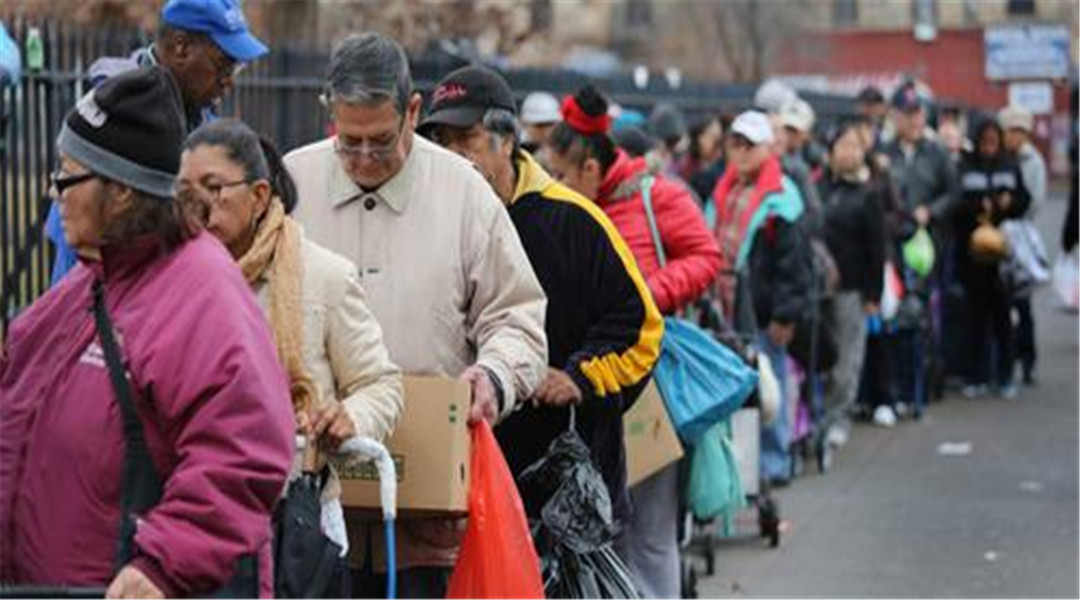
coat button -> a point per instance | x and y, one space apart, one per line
369 203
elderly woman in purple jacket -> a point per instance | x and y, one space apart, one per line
212 401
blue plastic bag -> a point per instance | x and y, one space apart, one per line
701 380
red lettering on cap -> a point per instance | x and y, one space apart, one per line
449 91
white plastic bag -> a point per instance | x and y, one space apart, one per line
892 291
1067 280
1028 265
768 390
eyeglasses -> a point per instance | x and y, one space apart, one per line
376 151
212 190
224 66
62 181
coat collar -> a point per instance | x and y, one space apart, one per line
531 177
120 261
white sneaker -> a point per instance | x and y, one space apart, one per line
884 416
1009 392
972 392
836 436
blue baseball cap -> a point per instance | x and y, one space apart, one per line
222 20
906 98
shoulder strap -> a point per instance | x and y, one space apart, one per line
141 487
710 212
654 229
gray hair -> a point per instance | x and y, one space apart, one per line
501 124
369 68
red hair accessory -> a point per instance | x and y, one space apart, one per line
582 122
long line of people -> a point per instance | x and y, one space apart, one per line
533 254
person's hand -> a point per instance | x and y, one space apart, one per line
557 389
922 215
484 404
871 308
132 583
331 425
781 334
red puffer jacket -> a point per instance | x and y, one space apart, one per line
693 258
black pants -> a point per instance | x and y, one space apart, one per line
874 390
419 582
1025 335
989 334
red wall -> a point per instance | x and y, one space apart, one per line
952 65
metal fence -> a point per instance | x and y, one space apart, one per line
277 96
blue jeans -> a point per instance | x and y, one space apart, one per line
775 458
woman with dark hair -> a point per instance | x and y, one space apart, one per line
343 383
854 228
993 190
583 155
145 428
703 164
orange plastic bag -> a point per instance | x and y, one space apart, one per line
497 558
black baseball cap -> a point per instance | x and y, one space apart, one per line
871 94
463 96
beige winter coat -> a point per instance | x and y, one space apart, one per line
446 276
343 346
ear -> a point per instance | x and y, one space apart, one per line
506 148
413 110
591 168
263 193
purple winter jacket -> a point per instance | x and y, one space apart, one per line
214 404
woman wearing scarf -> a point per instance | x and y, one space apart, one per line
342 381
583 155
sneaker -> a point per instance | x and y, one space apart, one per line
836 436
884 416
971 392
901 410
1009 391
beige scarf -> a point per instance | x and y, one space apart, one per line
275 256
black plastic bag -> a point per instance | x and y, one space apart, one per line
307 564
573 527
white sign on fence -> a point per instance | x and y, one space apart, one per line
1037 97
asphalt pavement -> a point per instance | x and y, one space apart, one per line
979 499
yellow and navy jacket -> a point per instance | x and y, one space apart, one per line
602 325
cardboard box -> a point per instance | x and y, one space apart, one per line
650 438
430 447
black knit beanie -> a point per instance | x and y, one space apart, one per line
130 129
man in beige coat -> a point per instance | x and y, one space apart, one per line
442 265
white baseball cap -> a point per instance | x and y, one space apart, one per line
1015 117
754 126
539 108
797 114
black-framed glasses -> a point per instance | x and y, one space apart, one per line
62 181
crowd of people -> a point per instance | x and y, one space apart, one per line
212 298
